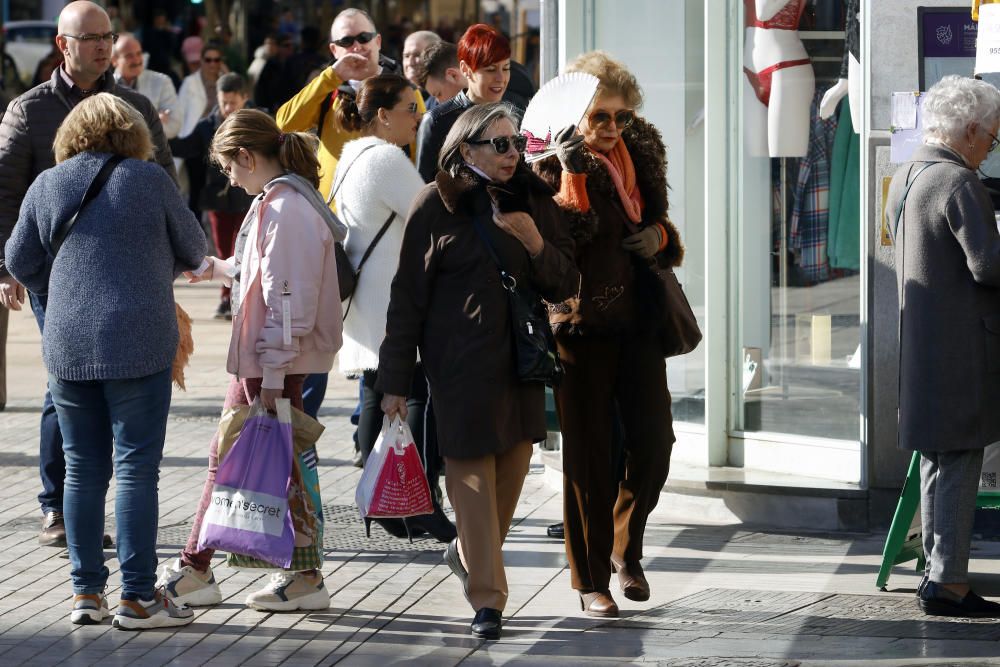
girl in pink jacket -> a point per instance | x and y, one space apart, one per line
287 318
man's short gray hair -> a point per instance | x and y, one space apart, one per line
353 11
470 126
428 37
955 103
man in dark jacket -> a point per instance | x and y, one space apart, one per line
86 40
226 205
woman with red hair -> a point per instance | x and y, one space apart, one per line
484 59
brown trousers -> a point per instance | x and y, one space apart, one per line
484 492
602 516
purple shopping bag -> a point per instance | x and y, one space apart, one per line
249 512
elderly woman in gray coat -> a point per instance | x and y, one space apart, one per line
948 270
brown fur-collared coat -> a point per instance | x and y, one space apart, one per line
619 293
447 300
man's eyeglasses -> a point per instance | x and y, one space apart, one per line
622 119
93 38
347 41
502 144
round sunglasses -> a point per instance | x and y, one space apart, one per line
502 144
622 119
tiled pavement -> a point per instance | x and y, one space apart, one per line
722 594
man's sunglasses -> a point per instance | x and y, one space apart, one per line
347 41
622 119
502 144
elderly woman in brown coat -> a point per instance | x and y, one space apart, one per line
614 192
448 301
948 270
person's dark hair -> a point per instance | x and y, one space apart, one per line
310 37
211 46
231 83
435 61
470 126
256 131
378 92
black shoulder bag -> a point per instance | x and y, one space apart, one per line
347 275
95 188
534 345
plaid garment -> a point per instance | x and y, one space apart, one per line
809 225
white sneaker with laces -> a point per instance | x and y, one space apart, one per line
187 586
291 591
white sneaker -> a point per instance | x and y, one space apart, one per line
291 591
187 586
159 612
89 609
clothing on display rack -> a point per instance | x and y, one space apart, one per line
844 242
809 224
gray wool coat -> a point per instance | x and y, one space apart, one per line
947 255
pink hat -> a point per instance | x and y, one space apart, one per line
191 48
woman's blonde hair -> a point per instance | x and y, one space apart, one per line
613 77
103 123
257 132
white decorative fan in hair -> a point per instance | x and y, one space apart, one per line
559 103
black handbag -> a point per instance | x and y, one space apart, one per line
677 328
534 345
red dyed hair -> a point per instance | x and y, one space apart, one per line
481 46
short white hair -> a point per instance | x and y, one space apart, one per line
428 37
955 103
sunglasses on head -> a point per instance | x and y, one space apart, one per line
347 41
502 144
622 119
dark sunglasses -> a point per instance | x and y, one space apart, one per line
211 60
347 41
502 144
622 119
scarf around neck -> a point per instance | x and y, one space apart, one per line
622 171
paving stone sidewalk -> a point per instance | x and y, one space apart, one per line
722 594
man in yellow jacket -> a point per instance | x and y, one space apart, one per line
355 44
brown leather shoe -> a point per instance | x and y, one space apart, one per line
632 579
598 603
53 530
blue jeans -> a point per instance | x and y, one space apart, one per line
313 393
119 425
51 463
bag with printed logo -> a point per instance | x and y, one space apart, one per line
249 512
393 484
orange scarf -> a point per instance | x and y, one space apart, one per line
619 164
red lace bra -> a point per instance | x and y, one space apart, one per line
787 17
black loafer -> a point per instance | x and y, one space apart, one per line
936 602
487 623
556 531
455 563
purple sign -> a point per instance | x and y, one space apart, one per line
948 33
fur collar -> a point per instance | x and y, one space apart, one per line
649 155
458 192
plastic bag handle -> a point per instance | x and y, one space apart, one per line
394 427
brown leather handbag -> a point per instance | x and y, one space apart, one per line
678 329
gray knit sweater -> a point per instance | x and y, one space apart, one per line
110 312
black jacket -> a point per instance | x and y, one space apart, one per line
217 194
433 130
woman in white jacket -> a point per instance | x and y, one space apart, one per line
374 185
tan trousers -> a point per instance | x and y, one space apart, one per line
484 493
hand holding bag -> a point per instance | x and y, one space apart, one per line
535 350
393 484
677 329
249 511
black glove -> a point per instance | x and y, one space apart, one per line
568 149
644 243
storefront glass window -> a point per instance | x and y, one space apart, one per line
665 51
797 350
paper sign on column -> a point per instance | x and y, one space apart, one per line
904 111
905 123
988 40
